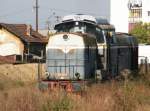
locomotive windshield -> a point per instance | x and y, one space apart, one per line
70 27
81 27
73 26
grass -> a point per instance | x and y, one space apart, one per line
111 96
129 95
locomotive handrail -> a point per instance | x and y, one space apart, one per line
65 66
68 59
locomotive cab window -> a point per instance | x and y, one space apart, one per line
76 27
72 27
99 35
90 28
110 37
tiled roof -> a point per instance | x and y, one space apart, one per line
20 30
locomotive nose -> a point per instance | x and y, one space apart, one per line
63 54
71 56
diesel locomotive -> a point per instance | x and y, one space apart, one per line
85 49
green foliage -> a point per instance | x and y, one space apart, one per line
142 32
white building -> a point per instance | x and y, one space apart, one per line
119 15
144 54
139 11
146 10
123 14
116 11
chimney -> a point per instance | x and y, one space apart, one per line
29 30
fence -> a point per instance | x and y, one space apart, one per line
144 65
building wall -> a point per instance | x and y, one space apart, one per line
143 53
119 15
142 16
116 12
145 9
10 44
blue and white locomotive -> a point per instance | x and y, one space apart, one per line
83 49
72 51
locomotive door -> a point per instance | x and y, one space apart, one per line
112 54
107 53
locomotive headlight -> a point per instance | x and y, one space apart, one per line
47 74
65 37
77 75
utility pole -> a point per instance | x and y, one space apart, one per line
37 17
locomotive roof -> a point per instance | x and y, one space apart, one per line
102 21
106 26
97 22
102 26
126 39
67 21
79 17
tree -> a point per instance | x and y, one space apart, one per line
142 32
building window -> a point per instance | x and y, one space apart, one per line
135 13
148 13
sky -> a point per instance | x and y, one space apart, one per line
22 11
